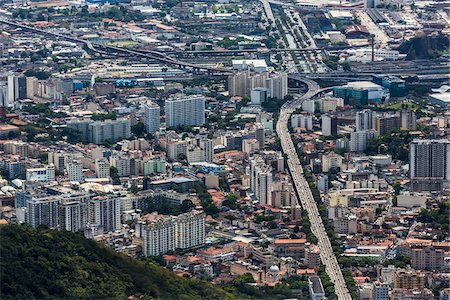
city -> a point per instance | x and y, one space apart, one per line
225 149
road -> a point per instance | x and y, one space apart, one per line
381 38
304 193
156 55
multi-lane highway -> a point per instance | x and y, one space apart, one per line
304 193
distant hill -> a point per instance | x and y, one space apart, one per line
424 46
44 263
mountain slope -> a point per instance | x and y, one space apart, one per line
44 263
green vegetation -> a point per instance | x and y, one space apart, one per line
44 263
402 105
103 117
394 143
39 74
228 43
230 201
438 218
400 261
206 202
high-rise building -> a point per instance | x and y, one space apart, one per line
329 125
278 85
387 123
165 233
122 164
207 148
190 229
365 120
429 164
16 148
408 120
409 279
258 95
427 258
380 291
360 139
59 159
261 180
43 211
75 171
238 84
109 130
302 121
175 148
105 212
331 161
185 111
73 215
159 235
102 168
152 113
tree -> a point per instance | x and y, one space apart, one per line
138 129
114 173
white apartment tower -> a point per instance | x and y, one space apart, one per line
190 229
105 212
185 111
102 168
261 180
75 171
152 113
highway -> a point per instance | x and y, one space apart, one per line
304 192
159 56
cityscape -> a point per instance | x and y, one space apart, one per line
225 149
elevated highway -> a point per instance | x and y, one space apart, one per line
304 192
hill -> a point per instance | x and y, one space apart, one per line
44 263
424 46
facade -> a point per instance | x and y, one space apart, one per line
258 95
152 114
428 258
360 139
331 161
365 120
102 168
278 85
190 229
43 211
44 174
261 180
109 130
73 216
329 125
387 123
395 85
185 111
409 279
302 121
167 233
429 164
361 93
408 120
380 291
75 171
106 213
316 290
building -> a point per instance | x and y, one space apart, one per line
102 168
250 146
329 125
258 95
261 180
330 104
387 123
331 161
105 211
152 113
316 290
109 130
428 258
361 93
409 279
190 229
415 294
122 164
159 235
253 65
380 291
73 216
75 171
441 99
278 85
360 139
167 233
408 120
185 111
154 167
44 174
43 211
312 256
17 148
365 120
302 121
176 149
429 164
395 85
